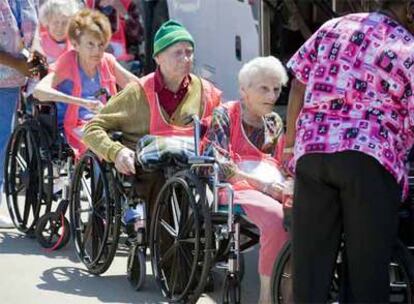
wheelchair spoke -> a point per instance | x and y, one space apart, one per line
187 226
175 209
21 162
167 255
17 191
85 187
27 207
185 256
168 228
88 230
186 266
174 272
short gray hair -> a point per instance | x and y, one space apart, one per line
51 8
261 65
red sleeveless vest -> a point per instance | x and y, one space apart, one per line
66 68
159 126
246 155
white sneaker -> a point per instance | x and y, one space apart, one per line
5 223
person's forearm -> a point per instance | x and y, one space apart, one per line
253 181
296 96
50 94
44 91
17 63
98 140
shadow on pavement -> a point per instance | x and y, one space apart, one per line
106 288
13 242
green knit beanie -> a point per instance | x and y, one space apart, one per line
169 33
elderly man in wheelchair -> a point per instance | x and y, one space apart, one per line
159 105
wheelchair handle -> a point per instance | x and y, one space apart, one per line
197 125
196 122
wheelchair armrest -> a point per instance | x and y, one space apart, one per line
116 136
196 160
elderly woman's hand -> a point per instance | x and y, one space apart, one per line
286 159
92 105
125 161
287 199
275 190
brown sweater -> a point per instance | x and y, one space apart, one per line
128 112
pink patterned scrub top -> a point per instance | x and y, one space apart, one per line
359 73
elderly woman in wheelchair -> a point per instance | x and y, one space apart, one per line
246 138
81 73
38 153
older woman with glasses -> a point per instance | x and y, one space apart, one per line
246 137
80 73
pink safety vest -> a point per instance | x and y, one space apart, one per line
66 68
51 49
118 38
243 151
159 126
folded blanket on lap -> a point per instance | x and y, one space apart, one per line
154 152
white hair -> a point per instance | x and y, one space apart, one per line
262 65
50 8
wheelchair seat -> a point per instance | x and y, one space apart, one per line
238 210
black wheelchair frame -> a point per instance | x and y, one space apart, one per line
34 150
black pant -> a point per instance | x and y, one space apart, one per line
350 194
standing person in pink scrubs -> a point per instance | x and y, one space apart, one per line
351 125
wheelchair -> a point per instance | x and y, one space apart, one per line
190 232
401 268
185 230
36 158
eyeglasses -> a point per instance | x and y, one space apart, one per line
91 46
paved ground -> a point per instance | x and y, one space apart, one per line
31 275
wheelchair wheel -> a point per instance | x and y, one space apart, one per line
26 177
94 214
53 231
181 238
401 277
231 290
281 280
136 268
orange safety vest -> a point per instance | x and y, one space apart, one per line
118 38
211 98
245 154
66 68
50 48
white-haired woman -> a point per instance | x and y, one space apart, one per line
246 137
54 15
